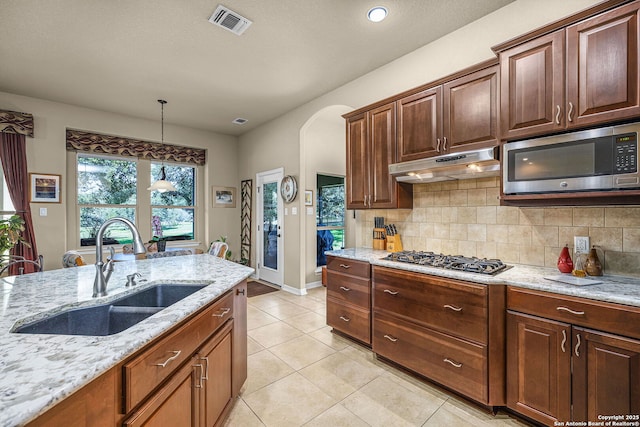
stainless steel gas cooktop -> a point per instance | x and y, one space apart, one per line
450 262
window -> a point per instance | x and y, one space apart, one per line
173 212
329 215
106 189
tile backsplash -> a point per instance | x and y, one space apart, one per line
465 218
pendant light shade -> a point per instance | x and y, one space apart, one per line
162 184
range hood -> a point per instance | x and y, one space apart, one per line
464 165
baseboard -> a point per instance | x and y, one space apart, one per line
295 291
314 285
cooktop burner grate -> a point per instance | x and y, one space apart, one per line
449 262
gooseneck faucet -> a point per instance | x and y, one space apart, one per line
100 282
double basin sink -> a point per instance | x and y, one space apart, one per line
112 317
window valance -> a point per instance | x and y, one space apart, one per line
16 122
97 143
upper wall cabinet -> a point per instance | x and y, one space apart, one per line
371 148
599 84
455 116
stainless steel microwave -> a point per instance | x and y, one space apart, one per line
591 160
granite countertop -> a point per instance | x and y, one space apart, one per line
37 371
616 289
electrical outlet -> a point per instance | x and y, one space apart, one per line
580 244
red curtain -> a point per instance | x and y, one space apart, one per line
13 154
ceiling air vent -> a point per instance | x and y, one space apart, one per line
229 20
239 121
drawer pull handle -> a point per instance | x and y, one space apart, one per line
391 292
166 362
577 313
577 346
224 312
453 307
345 266
205 371
451 362
346 319
199 385
570 112
345 289
564 340
390 338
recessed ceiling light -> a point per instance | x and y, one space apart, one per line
239 121
377 14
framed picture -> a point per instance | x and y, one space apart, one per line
308 198
44 188
223 197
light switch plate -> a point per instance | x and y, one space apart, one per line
294 211
43 211
580 244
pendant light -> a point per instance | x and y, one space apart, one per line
162 184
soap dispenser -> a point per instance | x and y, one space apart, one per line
593 267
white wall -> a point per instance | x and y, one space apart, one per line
46 153
277 142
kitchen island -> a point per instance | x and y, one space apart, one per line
37 371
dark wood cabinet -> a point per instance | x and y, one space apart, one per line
371 148
559 369
599 83
214 386
458 115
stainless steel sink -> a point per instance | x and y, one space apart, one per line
114 317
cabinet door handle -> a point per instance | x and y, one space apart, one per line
223 313
391 292
577 346
557 114
390 338
438 145
345 266
451 362
346 319
198 385
564 340
577 313
369 200
570 112
239 291
453 307
444 144
176 353
365 200
205 371
345 289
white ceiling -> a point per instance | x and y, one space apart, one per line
123 55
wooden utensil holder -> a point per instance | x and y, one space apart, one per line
394 243
379 241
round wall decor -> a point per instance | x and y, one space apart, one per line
288 188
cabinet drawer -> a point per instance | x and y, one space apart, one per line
350 289
350 320
349 266
455 363
451 306
609 317
148 370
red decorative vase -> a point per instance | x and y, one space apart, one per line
565 265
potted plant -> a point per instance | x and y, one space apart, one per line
11 233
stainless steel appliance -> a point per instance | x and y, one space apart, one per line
450 262
591 160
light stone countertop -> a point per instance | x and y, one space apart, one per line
616 289
37 371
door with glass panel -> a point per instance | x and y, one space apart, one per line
269 252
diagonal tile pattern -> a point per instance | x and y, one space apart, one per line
301 374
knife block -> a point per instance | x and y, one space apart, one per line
378 239
394 243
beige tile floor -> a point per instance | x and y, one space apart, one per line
301 374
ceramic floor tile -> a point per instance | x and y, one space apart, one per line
257 318
339 375
264 301
253 346
329 338
289 402
274 334
336 416
444 418
242 416
301 351
307 322
264 368
284 310
383 402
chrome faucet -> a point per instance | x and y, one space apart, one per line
100 282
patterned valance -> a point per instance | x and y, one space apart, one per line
16 122
97 143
